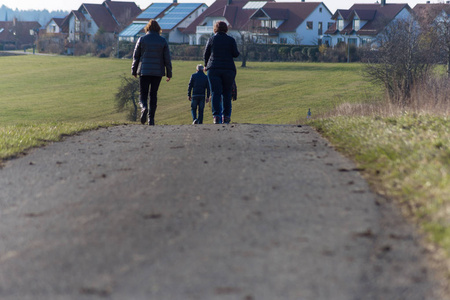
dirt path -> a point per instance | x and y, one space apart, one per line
247 212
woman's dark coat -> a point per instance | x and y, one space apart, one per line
152 52
220 51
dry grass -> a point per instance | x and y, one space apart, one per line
405 152
431 97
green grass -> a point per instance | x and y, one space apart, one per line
406 158
41 95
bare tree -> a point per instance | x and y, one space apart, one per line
245 42
443 33
435 19
296 38
402 59
128 93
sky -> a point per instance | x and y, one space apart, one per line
69 5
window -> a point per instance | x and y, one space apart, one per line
356 24
366 41
269 24
77 26
309 25
330 24
352 41
89 24
283 40
319 31
340 25
339 40
320 9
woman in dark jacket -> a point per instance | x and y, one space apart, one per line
219 53
152 58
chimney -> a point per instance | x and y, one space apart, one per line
175 1
383 3
229 2
14 21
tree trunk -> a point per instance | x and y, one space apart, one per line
244 61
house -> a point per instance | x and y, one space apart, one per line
108 18
54 25
361 24
300 23
432 13
17 34
173 18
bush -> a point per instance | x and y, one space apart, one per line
313 53
284 52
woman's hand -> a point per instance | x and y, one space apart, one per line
168 79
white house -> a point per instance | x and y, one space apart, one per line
108 17
301 23
361 24
54 25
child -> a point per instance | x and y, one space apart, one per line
197 85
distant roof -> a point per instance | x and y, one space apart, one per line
132 30
153 11
174 16
21 30
123 12
58 21
101 16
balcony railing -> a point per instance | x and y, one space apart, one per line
205 29
266 31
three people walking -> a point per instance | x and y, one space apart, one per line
151 60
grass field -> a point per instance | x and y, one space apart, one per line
404 157
45 97
73 89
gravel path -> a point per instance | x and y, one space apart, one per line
249 212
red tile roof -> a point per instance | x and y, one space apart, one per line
123 12
21 30
237 17
58 21
101 16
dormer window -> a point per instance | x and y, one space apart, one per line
356 24
340 24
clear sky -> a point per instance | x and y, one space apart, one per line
75 4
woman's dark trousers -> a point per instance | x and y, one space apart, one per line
221 82
149 84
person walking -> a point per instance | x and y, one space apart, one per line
218 56
151 61
198 84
